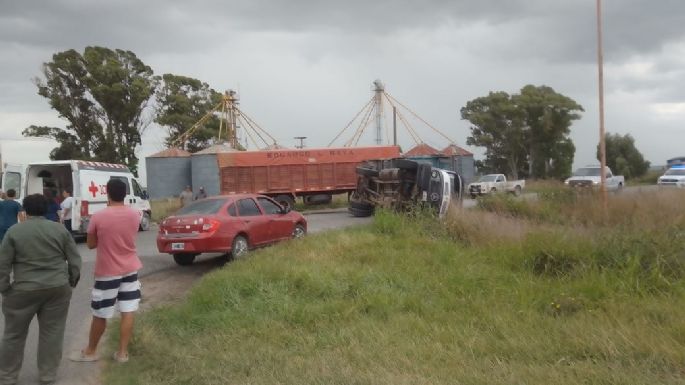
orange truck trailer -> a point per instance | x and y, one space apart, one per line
312 173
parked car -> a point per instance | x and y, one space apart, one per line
493 183
227 224
590 176
402 183
674 176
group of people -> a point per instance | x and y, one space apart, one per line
186 195
11 212
39 267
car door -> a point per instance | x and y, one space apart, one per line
280 225
255 222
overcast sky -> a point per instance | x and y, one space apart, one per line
305 68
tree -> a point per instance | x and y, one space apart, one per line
497 125
181 103
623 157
103 95
547 126
526 133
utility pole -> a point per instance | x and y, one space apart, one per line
602 144
394 125
379 89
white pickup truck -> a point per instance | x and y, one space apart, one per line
492 183
590 177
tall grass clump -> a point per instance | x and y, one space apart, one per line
163 208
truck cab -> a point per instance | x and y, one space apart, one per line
591 177
400 184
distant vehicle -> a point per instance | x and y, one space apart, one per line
674 176
494 183
590 176
88 182
227 224
400 183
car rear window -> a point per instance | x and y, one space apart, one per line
205 206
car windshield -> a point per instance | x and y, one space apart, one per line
488 178
587 171
205 206
675 171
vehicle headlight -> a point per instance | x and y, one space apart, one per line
595 182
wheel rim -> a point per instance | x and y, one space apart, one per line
239 247
298 232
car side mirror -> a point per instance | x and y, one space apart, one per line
285 210
144 195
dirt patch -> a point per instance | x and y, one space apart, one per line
172 285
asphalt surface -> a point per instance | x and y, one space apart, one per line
78 322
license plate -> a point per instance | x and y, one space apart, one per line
178 246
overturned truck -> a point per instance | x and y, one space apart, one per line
400 183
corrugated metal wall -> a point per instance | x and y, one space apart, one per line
205 172
167 177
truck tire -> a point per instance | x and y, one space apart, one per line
184 259
423 176
286 201
367 172
359 205
360 213
406 164
517 191
318 199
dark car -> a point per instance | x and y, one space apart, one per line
227 224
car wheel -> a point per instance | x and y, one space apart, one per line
299 231
144 222
184 259
240 246
493 190
286 201
517 190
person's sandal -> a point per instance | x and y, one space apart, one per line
81 356
120 359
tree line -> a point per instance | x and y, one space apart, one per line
528 135
109 97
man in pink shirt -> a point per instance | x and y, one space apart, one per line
113 232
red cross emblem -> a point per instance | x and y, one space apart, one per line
93 188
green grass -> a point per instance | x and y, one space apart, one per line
511 297
162 208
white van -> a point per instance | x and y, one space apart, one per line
88 183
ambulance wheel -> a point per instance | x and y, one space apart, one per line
145 222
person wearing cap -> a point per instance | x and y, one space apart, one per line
202 194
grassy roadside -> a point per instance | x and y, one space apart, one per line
517 292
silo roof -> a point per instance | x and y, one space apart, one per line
172 152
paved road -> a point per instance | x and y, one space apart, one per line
154 262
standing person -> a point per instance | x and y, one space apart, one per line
186 196
113 232
202 194
10 212
53 212
66 206
34 252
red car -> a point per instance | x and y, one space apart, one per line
227 224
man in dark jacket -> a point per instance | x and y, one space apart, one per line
42 259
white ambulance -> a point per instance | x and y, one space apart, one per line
88 183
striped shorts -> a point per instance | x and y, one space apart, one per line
111 291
